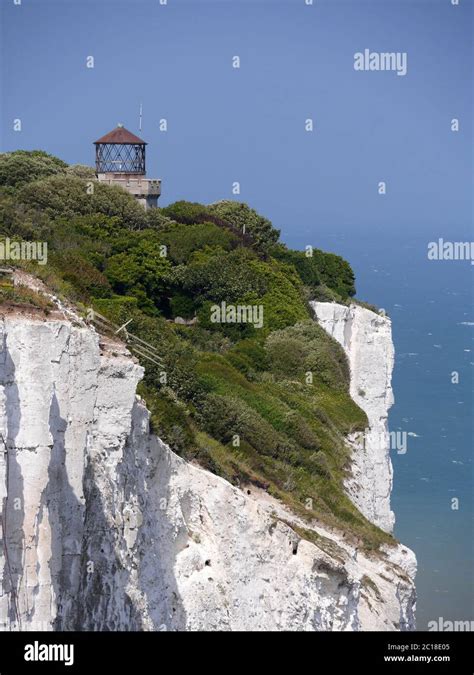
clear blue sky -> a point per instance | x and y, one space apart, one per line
247 125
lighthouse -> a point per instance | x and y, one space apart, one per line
120 159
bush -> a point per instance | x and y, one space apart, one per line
319 269
234 331
335 272
76 270
286 354
69 196
185 212
157 220
217 275
139 274
81 171
183 306
305 266
225 416
23 166
283 303
249 357
168 420
304 348
242 216
183 240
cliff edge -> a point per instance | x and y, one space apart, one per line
105 528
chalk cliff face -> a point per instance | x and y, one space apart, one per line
367 340
104 528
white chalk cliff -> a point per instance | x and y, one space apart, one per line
104 528
366 338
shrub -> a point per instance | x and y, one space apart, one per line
76 270
140 272
81 171
225 416
306 347
305 266
335 272
68 196
318 270
221 276
234 331
283 303
242 216
183 240
185 212
248 356
23 166
157 220
183 306
286 353
168 419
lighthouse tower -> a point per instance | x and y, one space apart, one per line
120 160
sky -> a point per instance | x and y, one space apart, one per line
247 124
320 187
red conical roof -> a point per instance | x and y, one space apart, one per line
120 135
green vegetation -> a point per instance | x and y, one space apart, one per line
24 297
264 405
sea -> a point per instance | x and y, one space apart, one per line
431 306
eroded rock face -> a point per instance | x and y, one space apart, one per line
366 337
104 528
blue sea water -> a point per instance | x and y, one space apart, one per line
432 311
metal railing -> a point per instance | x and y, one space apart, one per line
133 342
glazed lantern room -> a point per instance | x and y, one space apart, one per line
120 151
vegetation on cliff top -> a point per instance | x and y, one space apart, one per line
265 405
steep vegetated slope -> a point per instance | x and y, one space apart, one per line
267 407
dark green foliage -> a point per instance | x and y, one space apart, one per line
183 240
234 331
335 272
169 420
222 276
249 356
182 305
215 381
318 269
185 212
305 265
241 216
157 220
140 271
86 278
23 166
306 348
68 196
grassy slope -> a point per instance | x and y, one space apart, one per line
222 386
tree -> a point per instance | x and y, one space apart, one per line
241 216
23 166
140 272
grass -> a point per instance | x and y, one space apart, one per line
293 412
21 296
